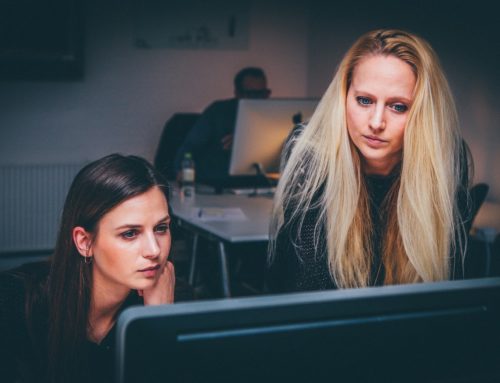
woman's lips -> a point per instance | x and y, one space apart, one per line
150 272
374 142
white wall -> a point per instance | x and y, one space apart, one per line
129 93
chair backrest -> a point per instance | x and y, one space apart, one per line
495 257
478 194
174 132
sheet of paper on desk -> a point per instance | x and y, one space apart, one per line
219 214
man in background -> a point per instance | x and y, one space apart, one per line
210 140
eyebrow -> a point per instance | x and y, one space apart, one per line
394 98
134 226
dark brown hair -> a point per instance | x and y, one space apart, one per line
96 189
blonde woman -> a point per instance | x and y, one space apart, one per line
374 190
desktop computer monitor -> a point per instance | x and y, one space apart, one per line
261 129
435 332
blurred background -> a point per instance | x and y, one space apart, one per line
82 79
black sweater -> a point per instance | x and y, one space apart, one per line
23 348
298 265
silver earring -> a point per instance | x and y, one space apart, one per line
87 260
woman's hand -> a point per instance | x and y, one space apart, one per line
162 291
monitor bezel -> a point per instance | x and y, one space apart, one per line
231 316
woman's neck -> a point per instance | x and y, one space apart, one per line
381 168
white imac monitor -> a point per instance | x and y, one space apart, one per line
261 129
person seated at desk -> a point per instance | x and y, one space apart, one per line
374 190
210 139
57 320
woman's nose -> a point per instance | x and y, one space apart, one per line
151 248
377 120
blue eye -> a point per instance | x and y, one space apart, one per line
163 228
363 100
400 108
129 234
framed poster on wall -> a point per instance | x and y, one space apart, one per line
191 24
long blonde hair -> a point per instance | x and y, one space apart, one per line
421 209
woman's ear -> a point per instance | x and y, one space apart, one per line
83 241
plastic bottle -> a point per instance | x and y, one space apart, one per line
188 176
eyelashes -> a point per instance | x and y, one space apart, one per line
400 108
162 228
363 101
129 234
397 107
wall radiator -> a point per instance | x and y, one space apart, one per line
31 202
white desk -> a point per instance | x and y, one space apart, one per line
254 228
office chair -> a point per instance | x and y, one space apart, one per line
174 132
478 194
477 259
495 261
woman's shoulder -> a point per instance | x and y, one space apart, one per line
289 144
295 133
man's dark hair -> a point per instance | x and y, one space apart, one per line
249 71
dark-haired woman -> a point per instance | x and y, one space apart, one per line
57 319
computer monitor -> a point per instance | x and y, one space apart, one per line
439 332
261 129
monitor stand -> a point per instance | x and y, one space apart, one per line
261 175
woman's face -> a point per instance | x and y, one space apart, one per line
132 243
377 106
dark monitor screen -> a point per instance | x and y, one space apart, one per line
436 332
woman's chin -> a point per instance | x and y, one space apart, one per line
143 285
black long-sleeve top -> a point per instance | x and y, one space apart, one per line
23 334
23 353
301 265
